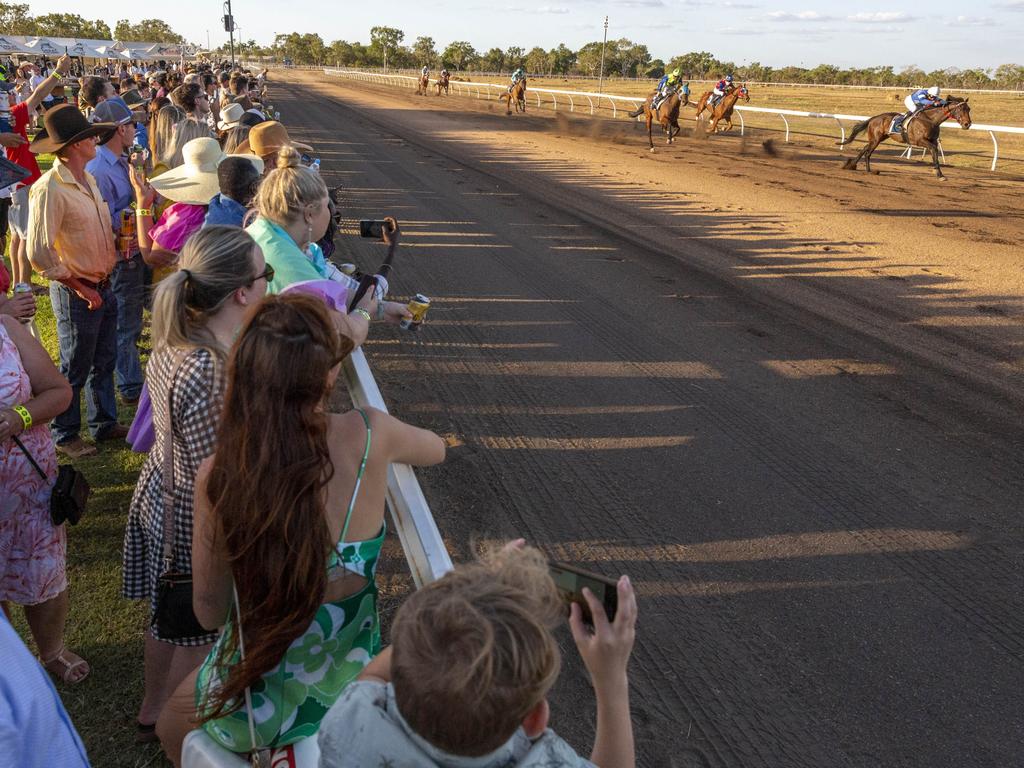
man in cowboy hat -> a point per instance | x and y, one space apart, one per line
110 170
229 117
70 242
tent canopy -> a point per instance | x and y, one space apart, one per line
13 44
53 47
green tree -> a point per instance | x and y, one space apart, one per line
514 56
493 60
588 59
629 56
696 65
71 25
15 19
654 69
147 30
538 61
458 54
562 59
423 51
384 41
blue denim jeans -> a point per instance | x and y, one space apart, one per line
88 354
129 283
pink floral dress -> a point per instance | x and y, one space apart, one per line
31 547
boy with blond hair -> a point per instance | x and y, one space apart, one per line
466 679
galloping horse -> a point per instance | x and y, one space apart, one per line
516 93
667 113
423 85
442 84
922 130
723 109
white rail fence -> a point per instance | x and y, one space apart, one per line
592 101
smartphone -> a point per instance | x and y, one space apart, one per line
570 582
372 228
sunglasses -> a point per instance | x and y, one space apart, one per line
267 274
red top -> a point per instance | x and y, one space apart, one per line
21 155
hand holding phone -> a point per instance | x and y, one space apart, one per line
606 646
372 228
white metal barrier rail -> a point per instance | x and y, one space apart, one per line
421 541
485 89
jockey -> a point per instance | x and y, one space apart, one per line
666 85
721 88
444 74
915 102
517 75
425 72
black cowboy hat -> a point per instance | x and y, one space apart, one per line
65 125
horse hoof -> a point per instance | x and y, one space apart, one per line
875 173
652 149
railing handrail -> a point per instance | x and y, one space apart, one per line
424 548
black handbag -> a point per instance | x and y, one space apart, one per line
70 493
173 617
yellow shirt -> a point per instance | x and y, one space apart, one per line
69 232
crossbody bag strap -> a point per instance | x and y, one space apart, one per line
255 758
168 479
359 477
29 456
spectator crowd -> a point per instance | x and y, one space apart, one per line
256 525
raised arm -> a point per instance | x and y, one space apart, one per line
49 83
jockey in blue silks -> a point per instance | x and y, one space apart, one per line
915 102
721 88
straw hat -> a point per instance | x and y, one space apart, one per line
229 117
195 181
65 125
267 138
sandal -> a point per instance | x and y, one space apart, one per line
66 667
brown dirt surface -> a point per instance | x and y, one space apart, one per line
783 397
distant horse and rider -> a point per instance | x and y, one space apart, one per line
918 127
423 84
721 101
442 82
516 92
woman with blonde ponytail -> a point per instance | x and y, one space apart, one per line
196 313
293 214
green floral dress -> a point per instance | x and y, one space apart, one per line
291 699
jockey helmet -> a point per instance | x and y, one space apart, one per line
677 72
728 78
934 91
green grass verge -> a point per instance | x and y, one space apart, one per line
103 628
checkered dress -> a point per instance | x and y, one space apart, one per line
195 411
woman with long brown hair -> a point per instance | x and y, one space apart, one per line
289 523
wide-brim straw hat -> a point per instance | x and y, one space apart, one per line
267 138
195 180
229 117
65 125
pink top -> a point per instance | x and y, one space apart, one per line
176 225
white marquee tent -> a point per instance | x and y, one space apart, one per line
53 47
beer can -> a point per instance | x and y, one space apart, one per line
418 307
30 320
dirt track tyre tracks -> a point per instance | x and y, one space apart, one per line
717 680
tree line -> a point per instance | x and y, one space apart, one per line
15 19
623 58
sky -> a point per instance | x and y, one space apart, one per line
935 35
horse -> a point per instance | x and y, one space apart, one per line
442 84
515 93
723 109
921 130
422 85
667 113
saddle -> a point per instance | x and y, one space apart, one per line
900 122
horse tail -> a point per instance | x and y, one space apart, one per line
637 112
857 129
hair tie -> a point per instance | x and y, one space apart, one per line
188 275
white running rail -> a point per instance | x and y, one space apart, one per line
593 101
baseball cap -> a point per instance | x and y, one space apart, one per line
112 111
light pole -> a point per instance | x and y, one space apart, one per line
229 27
600 83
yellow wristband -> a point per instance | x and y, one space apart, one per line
26 417
56 75
361 311
144 212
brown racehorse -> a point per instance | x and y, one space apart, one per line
667 114
423 85
921 131
442 84
516 93
723 109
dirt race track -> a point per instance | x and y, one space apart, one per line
784 397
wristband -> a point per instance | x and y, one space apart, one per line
380 308
26 417
361 311
143 211
56 75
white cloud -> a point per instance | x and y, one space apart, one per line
798 16
640 3
880 17
971 21
1011 5
550 9
739 31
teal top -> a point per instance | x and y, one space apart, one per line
291 264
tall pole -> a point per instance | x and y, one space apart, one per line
600 85
230 24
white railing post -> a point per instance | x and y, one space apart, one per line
572 107
591 105
842 129
614 111
538 99
995 149
555 100
786 121
743 125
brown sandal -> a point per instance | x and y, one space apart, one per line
65 667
